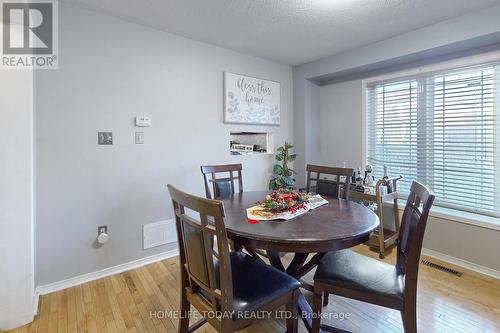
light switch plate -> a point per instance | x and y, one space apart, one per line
139 138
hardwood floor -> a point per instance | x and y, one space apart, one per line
127 302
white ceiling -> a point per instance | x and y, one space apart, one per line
287 31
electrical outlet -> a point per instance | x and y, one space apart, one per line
101 229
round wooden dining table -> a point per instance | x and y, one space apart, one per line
337 225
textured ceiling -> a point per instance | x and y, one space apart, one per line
287 31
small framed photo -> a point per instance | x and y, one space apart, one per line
105 138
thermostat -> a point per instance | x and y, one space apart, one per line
142 121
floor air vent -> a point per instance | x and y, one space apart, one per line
442 268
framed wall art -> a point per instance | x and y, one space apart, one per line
250 100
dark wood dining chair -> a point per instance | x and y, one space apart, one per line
330 187
230 291
221 187
349 274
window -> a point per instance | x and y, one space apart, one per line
441 129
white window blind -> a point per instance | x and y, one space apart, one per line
441 129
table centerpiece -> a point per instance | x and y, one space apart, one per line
284 204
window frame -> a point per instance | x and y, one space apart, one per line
475 218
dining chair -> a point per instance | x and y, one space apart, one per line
221 187
352 275
233 290
329 187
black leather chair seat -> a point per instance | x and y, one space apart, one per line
255 284
354 271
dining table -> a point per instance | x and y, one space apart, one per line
338 225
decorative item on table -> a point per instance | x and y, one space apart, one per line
285 200
369 178
359 182
282 174
284 204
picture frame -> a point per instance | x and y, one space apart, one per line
250 100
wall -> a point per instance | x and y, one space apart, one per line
474 244
306 117
110 71
341 103
313 144
341 117
16 198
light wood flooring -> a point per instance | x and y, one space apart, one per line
124 303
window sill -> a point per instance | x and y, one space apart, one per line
478 220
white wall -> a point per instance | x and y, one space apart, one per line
312 123
306 118
16 211
110 71
341 114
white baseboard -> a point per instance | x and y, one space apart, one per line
462 263
77 280
36 299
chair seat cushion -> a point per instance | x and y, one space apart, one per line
255 284
354 271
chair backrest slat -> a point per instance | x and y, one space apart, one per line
411 232
208 251
195 237
195 257
328 186
221 187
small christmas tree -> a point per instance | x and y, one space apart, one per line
282 174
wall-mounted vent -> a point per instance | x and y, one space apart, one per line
159 233
442 268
